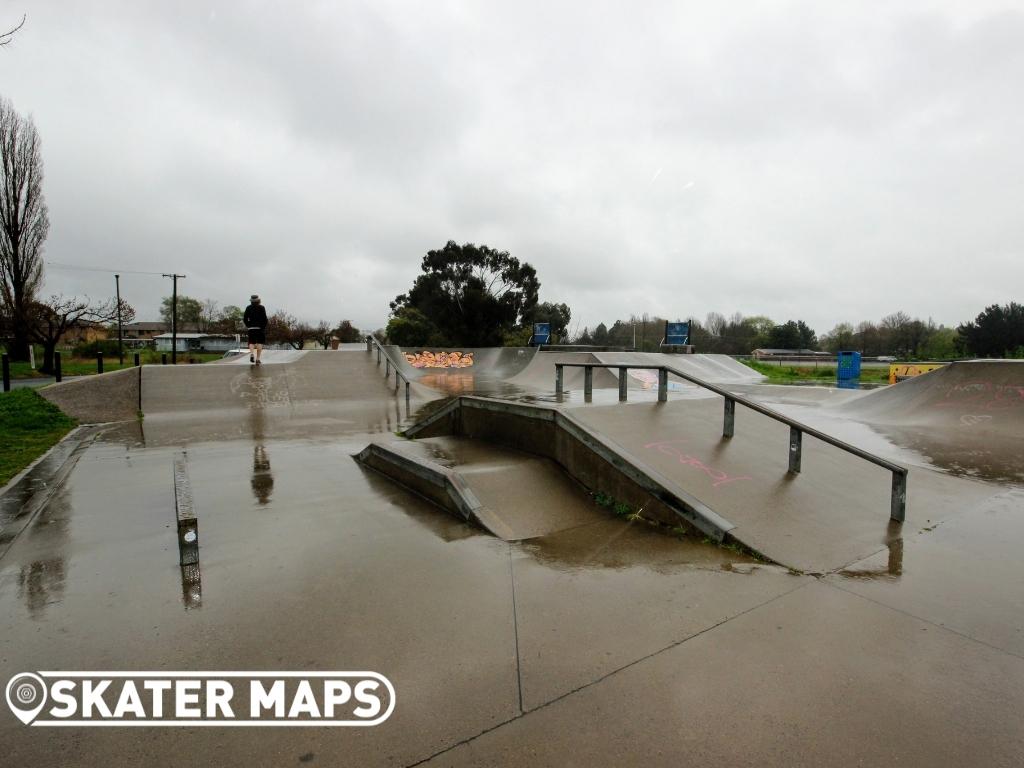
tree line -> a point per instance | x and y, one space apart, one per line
208 316
998 331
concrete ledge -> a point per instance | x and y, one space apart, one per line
101 398
438 484
598 463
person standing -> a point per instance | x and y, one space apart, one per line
255 319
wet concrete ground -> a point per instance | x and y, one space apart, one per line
601 643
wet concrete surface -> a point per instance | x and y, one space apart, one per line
307 561
604 643
836 511
815 677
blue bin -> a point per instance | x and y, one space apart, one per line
849 366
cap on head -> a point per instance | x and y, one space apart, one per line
254 299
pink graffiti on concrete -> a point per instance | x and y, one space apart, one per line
672 448
983 395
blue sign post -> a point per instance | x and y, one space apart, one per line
541 333
676 334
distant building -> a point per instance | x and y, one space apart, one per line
196 342
774 354
148 330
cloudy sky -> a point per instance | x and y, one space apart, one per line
823 161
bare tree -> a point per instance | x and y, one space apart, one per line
8 36
52 318
24 222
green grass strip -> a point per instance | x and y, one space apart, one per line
29 427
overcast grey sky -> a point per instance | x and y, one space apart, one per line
823 161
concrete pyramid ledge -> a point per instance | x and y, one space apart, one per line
594 461
441 485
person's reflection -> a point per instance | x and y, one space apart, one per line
262 479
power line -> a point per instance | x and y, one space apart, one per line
59 265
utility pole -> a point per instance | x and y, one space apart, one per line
120 348
174 317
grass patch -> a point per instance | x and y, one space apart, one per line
82 366
787 374
29 426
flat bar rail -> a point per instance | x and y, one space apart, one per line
371 342
898 499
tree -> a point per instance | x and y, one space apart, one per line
792 335
8 36
229 320
996 332
346 332
52 318
24 223
468 295
408 327
190 311
839 338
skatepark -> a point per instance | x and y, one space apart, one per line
619 569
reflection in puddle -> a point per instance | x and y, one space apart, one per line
191 587
262 479
41 584
894 565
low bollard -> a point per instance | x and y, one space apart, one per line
7 372
662 385
623 384
56 367
559 378
588 382
137 363
99 362
163 359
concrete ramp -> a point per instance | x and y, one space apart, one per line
716 369
298 394
513 495
966 418
670 461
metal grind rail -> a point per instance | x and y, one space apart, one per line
371 342
898 501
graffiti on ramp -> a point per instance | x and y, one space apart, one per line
428 359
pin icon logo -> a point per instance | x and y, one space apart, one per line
26 696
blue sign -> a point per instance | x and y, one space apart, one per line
541 333
677 333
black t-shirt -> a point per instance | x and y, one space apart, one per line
255 316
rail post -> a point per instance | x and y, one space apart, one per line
899 496
559 378
137 362
163 359
622 385
99 362
730 417
369 344
7 372
662 385
795 449
407 395
588 381
56 367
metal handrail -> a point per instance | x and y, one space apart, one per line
371 342
898 500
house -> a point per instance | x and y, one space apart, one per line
196 342
144 330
